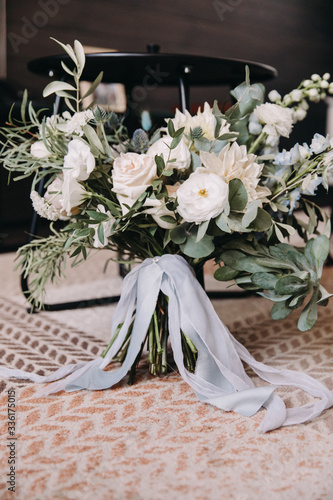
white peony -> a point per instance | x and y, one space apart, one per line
39 150
107 228
202 197
204 119
79 161
234 162
180 154
278 120
131 175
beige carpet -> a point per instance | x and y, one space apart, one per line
155 440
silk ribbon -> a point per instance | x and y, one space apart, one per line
219 378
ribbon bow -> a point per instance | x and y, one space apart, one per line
219 377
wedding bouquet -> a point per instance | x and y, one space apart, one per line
209 186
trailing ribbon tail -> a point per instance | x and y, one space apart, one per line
219 378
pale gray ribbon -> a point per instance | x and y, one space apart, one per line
219 377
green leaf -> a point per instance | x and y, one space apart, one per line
262 222
280 310
221 222
202 144
225 273
266 281
171 128
98 216
68 49
324 296
237 195
290 285
159 164
195 249
94 85
178 234
202 229
196 162
175 141
320 249
168 218
100 233
80 56
66 68
93 138
54 87
251 213
309 315
24 105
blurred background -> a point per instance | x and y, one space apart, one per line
294 37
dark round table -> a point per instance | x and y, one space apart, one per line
155 69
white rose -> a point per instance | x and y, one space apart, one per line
132 173
202 197
180 154
39 150
79 161
72 194
278 120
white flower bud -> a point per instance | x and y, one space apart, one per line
274 96
315 77
296 95
324 84
330 88
313 95
306 83
326 76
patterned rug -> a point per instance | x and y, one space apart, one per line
154 440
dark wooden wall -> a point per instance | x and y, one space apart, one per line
296 37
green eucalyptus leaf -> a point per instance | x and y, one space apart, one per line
196 250
225 273
171 128
251 213
178 234
221 222
262 222
196 162
202 229
290 284
202 144
93 138
280 310
237 195
309 315
266 281
175 141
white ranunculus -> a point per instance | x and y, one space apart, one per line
202 197
131 175
72 194
79 160
204 119
278 120
234 162
107 228
180 154
39 150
